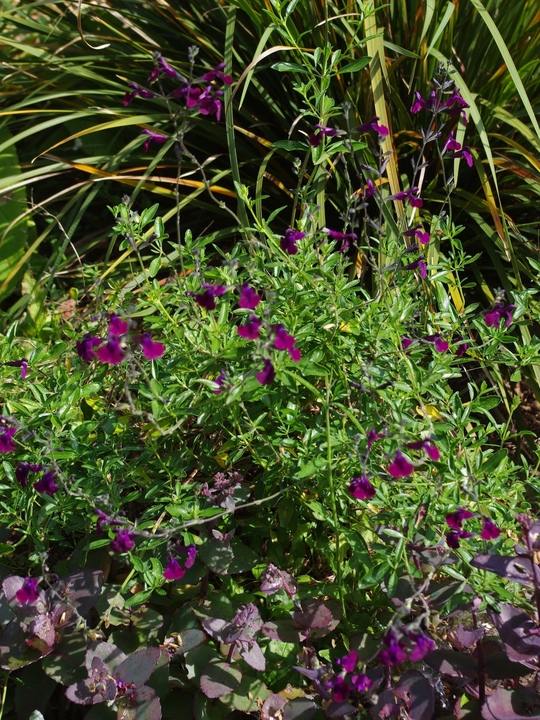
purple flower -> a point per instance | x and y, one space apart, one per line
455 520
409 195
6 439
422 646
454 147
489 530
393 654
284 341
419 233
29 592
103 519
153 137
173 570
462 347
23 364
348 662
499 312
47 484
428 446
85 347
252 329
418 265
217 73
123 541
418 104
400 466
190 551
206 298
316 139
361 682
117 326
151 349
205 101
451 144
440 344
129 97
249 299
222 382
23 469
360 488
453 538
111 352
344 238
289 240
405 342
381 130
455 104
267 374
341 690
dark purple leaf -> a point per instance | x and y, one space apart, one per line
99 687
463 639
496 662
338 709
80 590
138 667
252 654
272 707
282 630
66 662
385 707
219 678
189 639
144 706
417 693
314 614
216 628
519 633
512 705
11 586
452 663
41 632
299 709
110 654
19 648
518 570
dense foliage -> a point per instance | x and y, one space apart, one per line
266 446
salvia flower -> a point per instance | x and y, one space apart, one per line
267 374
406 342
206 299
217 74
348 662
419 265
455 519
453 538
393 653
85 347
173 570
489 530
400 467
440 345
284 341
454 148
123 541
289 240
381 130
252 329
6 439
361 488
47 485
419 233
29 592
422 645
462 347
112 352
23 364
151 349
410 196
23 469
428 446
344 239
315 139
158 138
361 683
249 299
340 690
222 383
136 89
499 311
117 326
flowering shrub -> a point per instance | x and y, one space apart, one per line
285 469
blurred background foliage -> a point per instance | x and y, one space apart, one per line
69 147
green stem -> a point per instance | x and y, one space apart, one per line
4 693
331 488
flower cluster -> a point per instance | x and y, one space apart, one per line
401 467
173 569
113 349
223 488
349 681
499 311
410 645
201 94
7 431
455 521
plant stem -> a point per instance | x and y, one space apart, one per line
331 488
